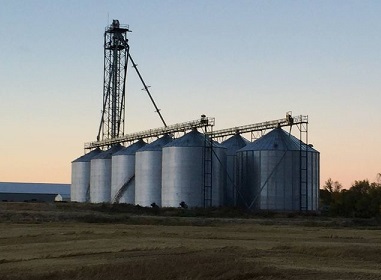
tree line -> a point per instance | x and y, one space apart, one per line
362 200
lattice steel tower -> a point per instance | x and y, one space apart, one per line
116 53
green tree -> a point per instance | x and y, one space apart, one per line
330 196
362 200
332 186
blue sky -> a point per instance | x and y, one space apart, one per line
241 62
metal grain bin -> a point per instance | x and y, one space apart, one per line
183 171
80 177
278 172
123 174
100 176
232 145
148 172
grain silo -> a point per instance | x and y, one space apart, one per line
80 177
232 145
123 174
278 172
148 172
100 176
184 175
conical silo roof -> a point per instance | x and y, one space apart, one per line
108 153
234 143
158 144
191 139
87 157
277 139
131 150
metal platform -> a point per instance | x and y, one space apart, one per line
151 133
203 122
260 127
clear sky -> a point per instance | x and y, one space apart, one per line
239 61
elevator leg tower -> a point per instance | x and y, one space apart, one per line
116 53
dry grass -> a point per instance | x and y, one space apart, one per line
57 246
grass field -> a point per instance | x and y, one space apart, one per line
49 241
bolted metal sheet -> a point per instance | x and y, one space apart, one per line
148 171
123 168
100 176
232 145
80 176
269 174
183 172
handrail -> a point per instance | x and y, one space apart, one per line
179 127
200 123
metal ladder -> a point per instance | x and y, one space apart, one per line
208 171
303 167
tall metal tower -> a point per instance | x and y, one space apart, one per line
116 53
116 57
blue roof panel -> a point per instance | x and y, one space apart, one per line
12 187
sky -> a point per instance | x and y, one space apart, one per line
239 61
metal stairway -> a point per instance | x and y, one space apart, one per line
88 193
123 189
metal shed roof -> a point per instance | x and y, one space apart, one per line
12 187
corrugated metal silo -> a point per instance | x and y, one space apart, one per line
232 145
80 177
148 172
278 172
100 176
183 171
123 174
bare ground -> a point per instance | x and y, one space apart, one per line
42 241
